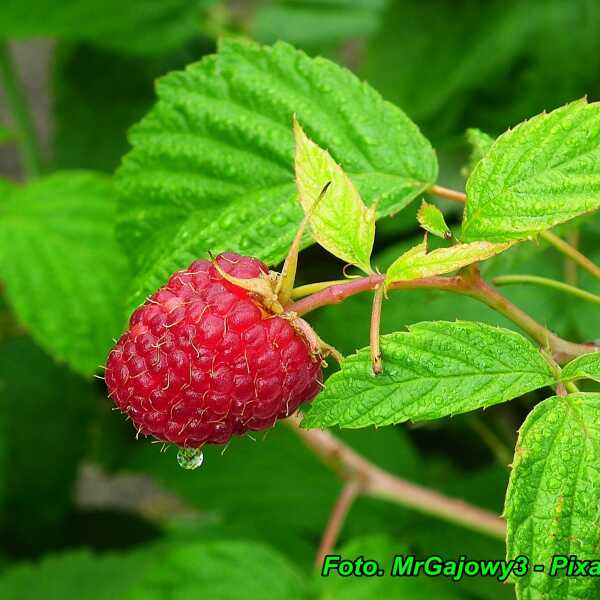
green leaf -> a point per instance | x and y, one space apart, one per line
76 574
339 220
417 263
586 366
552 499
218 570
431 219
436 369
64 273
45 411
212 165
139 27
316 23
539 174
455 60
480 143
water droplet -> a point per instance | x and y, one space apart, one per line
227 221
190 458
279 219
245 243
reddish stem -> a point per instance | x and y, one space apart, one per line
561 349
341 291
349 492
378 483
470 284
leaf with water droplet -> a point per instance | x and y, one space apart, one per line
543 172
219 141
71 215
434 370
278 219
551 504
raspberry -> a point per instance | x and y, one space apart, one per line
204 359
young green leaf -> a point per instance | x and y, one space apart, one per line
64 272
431 219
220 139
339 220
543 172
417 263
436 369
552 498
480 143
586 366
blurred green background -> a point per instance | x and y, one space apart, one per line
86 511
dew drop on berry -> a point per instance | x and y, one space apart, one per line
190 458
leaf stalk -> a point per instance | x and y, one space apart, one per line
468 283
583 261
378 483
545 281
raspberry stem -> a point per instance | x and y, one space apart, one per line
468 283
442 192
583 261
545 281
349 492
375 482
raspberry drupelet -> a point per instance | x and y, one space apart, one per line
204 359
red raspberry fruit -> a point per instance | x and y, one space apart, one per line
203 359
